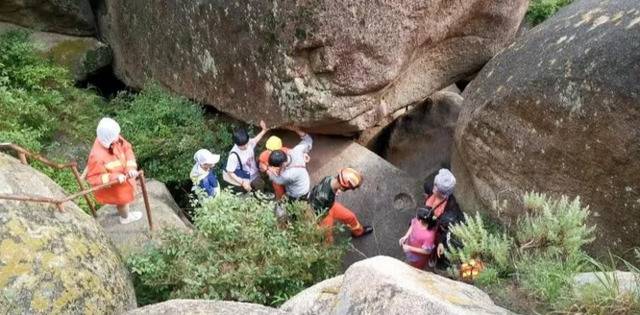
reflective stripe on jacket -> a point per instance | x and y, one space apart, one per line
105 165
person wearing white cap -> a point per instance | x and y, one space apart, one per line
112 161
202 174
446 211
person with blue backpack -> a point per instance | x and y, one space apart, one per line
202 174
241 171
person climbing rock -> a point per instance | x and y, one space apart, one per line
202 174
241 171
290 169
440 198
273 143
419 242
322 199
112 159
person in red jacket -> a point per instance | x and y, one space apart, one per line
112 161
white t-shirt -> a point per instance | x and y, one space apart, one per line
247 158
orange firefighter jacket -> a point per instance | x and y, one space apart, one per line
105 165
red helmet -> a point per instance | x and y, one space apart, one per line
349 178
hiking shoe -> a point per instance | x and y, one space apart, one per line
132 217
367 229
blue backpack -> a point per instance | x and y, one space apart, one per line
239 171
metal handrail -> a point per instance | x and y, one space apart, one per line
23 153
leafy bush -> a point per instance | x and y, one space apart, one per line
554 226
39 105
165 131
237 252
540 10
541 255
495 250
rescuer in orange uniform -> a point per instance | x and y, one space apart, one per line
322 199
111 159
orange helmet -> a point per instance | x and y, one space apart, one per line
349 178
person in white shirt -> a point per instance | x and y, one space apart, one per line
241 170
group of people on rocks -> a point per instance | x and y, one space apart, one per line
112 164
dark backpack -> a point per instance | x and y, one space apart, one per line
239 171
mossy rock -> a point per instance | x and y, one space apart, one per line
81 55
52 262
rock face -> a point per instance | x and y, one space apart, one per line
420 141
133 237
556 112
386 200
383 285
336 66
81 55
73 17
204 307
318 299
51 262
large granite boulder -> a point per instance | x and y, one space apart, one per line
383 285
336 66
204 307
386 200
73 17
52 262
133 237
420 141
80 55
558 112
317 299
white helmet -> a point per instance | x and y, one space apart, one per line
108 131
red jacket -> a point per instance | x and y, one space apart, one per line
105 165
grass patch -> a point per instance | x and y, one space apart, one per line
540 10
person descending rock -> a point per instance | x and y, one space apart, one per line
323 200
241 170
112 159
202 173
290 169
419 242
439 197
273 143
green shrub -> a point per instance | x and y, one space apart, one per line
492 249
237 252
542 253
540 10
553 226
548 276
165 131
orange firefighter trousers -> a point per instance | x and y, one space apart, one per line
342 214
